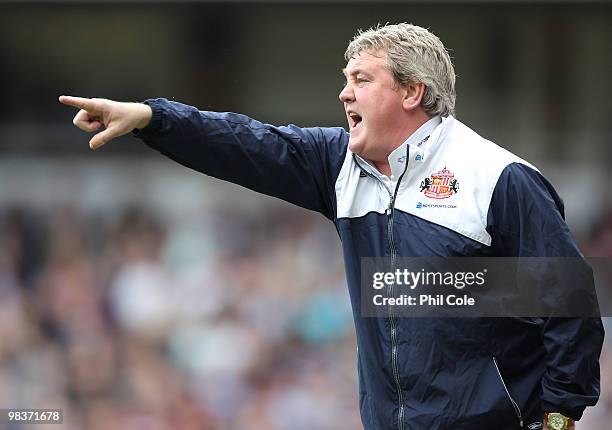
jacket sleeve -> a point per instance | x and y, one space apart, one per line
299 165
526 219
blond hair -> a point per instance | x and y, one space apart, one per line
414 55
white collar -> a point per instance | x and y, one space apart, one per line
399 156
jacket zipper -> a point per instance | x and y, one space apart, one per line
517 410
392 318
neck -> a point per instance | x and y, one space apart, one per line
383 167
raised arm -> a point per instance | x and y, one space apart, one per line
299 165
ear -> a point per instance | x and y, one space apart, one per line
413 94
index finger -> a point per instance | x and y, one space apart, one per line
78 102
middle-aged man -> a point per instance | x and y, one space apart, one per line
380 185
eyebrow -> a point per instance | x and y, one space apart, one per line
355 72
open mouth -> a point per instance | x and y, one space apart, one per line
354 119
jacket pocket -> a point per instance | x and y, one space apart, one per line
515 406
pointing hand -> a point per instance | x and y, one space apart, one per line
118 118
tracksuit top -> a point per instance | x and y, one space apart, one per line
451 193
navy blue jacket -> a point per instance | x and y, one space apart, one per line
417 373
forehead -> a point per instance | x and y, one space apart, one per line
370 62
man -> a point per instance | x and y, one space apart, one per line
382 184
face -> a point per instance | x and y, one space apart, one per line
374 107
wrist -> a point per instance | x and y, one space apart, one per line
145 113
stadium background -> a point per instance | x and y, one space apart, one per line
135 293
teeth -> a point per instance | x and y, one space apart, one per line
355 118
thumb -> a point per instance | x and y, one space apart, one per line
102 138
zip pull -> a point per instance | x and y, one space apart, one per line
390 207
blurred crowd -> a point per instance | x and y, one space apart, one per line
129 320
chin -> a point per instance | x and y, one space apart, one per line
355 146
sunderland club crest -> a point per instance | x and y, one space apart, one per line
440 185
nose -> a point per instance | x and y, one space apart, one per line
346 95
